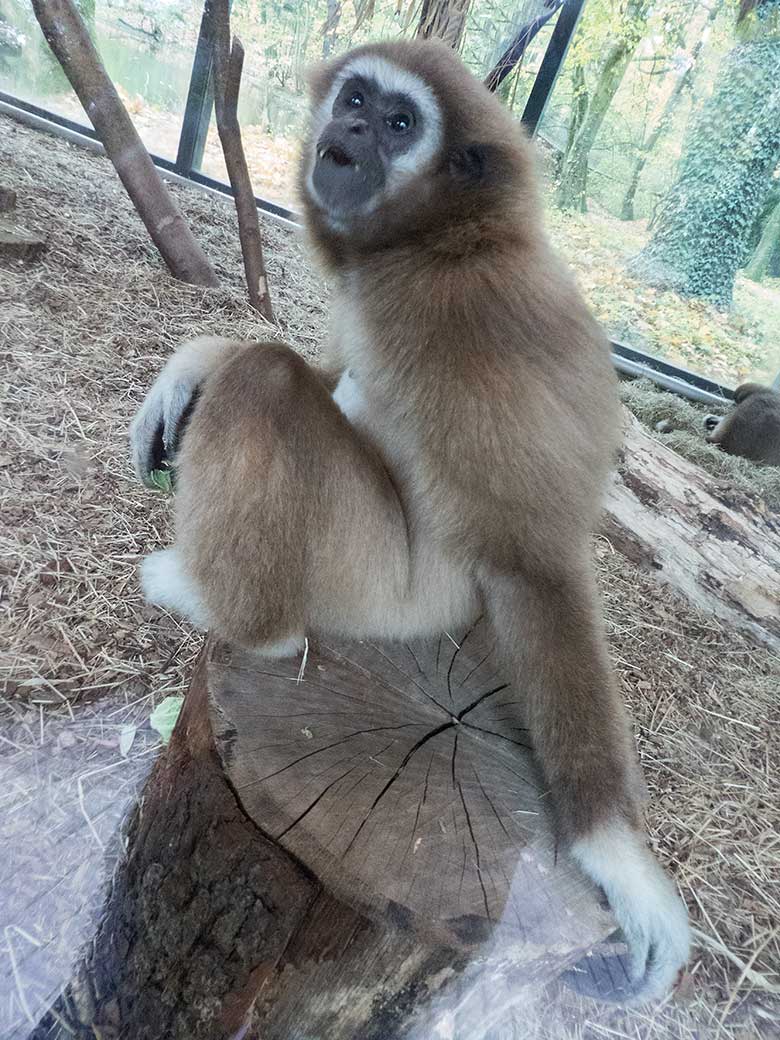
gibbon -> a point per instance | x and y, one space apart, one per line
459 464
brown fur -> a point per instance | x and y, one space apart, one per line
476 351
752 429
468 476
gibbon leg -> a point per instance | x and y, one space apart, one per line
287 522
548 628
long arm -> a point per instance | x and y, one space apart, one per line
549 634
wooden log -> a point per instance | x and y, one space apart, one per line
353 855
16 243
69 39
7 199
718 547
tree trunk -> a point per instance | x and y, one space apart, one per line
513 54
357 856
684 82
704 223
572 187
768 246
443 19
330 30
717 547
362 852
68 38
228 65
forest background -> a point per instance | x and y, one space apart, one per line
660 143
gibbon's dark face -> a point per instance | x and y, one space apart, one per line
379 126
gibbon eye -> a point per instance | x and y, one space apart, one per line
355 99
400 122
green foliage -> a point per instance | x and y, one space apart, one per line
701 235
164 717
161 480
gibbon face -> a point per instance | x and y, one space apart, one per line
401 134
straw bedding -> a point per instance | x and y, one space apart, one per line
82 333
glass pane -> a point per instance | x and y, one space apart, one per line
282 38
147 49
663 152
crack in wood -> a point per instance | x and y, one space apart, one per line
420 743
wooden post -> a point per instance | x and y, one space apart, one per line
349 856
70 41
228 65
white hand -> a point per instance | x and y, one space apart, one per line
155 429
650 913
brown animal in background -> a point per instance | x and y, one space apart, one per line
459 465
752 428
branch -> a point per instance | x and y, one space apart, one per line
69 39
517 48
228 65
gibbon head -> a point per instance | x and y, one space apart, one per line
402 137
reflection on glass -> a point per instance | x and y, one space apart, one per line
147 49
662 145
283 39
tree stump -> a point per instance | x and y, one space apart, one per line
351 856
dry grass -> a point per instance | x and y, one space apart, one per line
686 418
81 335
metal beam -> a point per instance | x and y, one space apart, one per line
200 100
551 64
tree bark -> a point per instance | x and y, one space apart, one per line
517 48
703 226
768 246
357 856
443 19
330 29
717 547
228 65
69 39
684 82
572 186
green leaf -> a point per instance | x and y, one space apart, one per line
164 716
161 479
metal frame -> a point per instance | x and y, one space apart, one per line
192 138
566 23
200 100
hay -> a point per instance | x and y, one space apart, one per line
651 405
82 334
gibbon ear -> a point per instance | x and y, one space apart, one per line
477 163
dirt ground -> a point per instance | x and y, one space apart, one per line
82 333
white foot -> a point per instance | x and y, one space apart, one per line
291 647
166 584
646 905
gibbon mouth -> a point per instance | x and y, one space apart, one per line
346 175
336 155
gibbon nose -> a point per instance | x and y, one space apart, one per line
357 126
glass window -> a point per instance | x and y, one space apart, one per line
282 38
662 142
146 47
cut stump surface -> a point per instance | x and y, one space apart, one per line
402 778
358 855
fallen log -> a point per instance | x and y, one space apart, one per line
716 546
